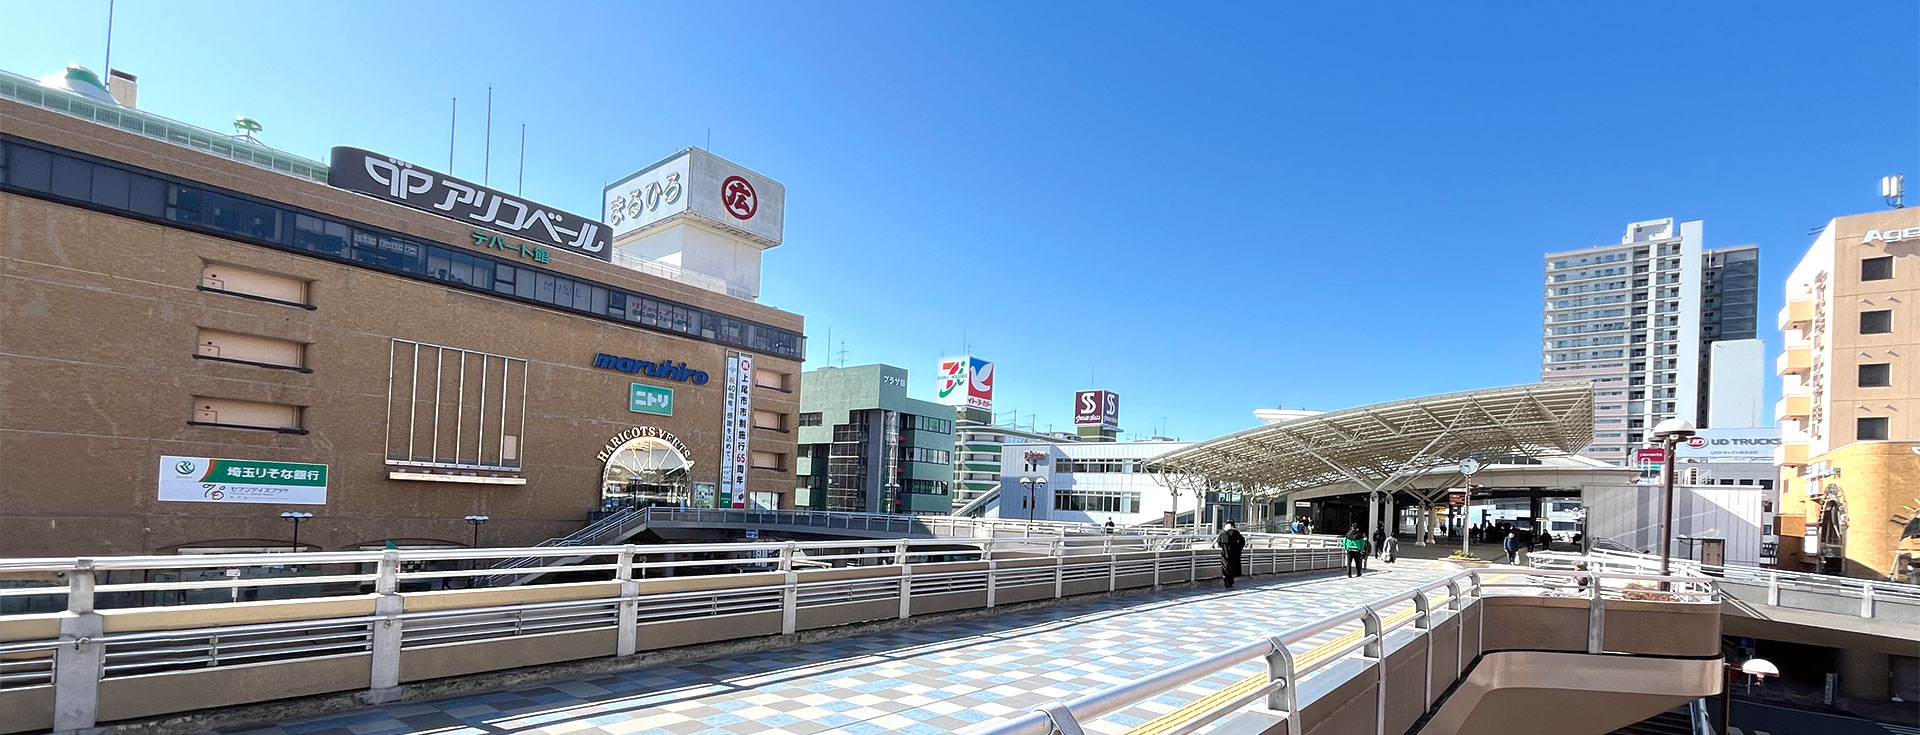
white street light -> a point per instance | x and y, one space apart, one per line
1669 433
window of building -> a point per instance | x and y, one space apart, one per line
236 414
926 423
769 420
925 487
452 407
248 349
1876 322
259 285
768 460
1873 427
1876 269
929 456
771 380
125 191
1876 375
810 418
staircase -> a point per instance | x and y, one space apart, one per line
613 528
1672 722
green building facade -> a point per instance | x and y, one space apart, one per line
865 447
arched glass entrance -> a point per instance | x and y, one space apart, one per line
645 471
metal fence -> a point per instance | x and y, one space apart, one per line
1866 598
1293 654
646 601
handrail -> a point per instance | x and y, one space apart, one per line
1286 667
1850 586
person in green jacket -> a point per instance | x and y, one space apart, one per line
1356 545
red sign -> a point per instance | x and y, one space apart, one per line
738 197
1697 442
1096 408
1654 455
1457 498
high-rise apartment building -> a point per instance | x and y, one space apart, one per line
1850 400
1634 319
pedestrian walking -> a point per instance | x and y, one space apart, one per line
1356 545
1231 542
1299 527
1512 547
1109 527
1390 549
1379 537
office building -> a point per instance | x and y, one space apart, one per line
1095 482
866 447
204 333
978 447
1638 319
1850 408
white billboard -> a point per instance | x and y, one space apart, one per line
214 480
718 190
1730 445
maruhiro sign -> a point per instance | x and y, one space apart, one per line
965 381
699 184
650 399
1096 408
397 181
209 480
663 370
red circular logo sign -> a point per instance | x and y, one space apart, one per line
738 197
1697 442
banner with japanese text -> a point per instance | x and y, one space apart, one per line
211 480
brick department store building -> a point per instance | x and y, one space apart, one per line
203 334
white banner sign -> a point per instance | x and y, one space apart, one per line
210 480
734 427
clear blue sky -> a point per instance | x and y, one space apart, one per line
1208 209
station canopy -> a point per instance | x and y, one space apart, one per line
1385 447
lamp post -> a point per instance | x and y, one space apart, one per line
1759 667
893 497
1669 433
296 517
475 521
1032 482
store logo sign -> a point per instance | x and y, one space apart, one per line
663 370
655 400
1910 233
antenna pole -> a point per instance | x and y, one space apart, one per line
521 188
108 72
486 163
453 123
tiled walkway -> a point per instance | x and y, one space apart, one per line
923 681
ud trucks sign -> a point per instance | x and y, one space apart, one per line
1730 445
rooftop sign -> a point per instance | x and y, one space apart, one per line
696 182
400 182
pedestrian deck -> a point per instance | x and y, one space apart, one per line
922 681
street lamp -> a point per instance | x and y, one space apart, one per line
1031 483
1759 667
893 497
475 521
1669 433
296 517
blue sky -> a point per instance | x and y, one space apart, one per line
1206 208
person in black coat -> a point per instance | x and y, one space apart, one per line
1231 542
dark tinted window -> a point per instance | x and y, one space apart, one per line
110 188
29 169
1876 375
72 178
1876 269
1876 322
1870 428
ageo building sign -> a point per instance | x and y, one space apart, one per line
1910 233
211 480
400 182
697 183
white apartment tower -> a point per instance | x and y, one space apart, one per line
1628 317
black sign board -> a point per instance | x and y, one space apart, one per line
469 203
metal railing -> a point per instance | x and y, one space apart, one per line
673 272
1292 654
647 591
1769 586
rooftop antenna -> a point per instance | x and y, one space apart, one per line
109 68
709 138
843 353
1893 189
246 127
486 162
521 187
453 121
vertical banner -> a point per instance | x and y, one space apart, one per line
742 420
727 431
